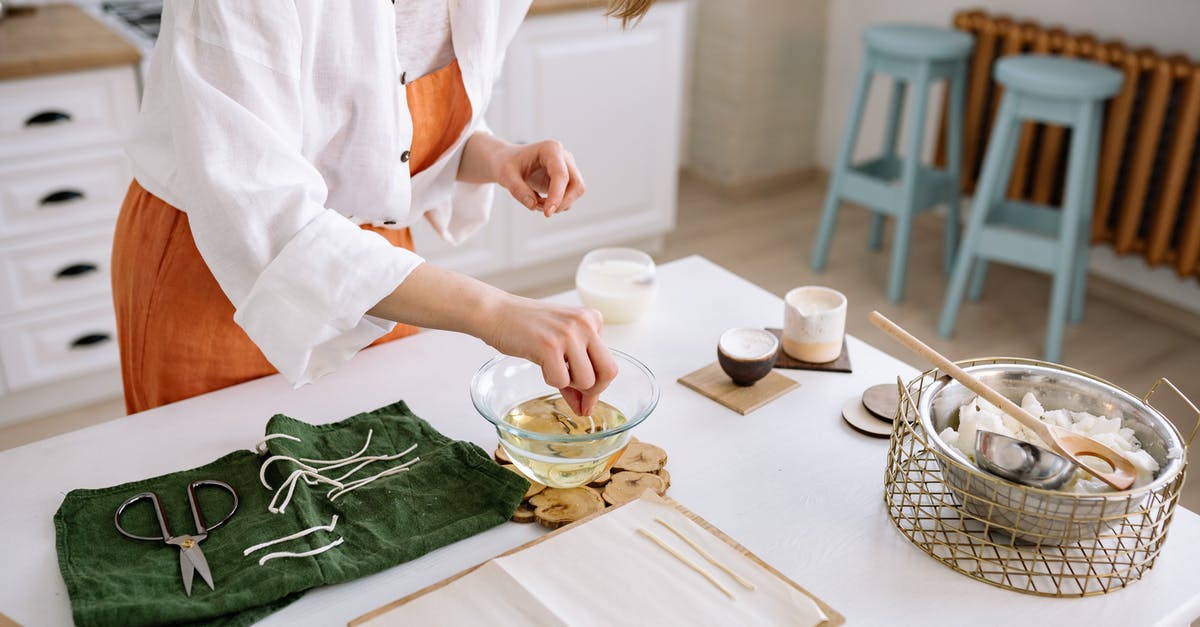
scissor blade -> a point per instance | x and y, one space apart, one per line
186 569
200 563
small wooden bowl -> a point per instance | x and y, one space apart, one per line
747 354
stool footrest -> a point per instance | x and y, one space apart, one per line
875 183
1035 252
1042 219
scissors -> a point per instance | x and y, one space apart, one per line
191 558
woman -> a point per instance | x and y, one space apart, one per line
283 148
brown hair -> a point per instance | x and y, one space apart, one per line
629 11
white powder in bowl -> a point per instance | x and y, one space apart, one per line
980 414
747 343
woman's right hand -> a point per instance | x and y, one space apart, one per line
565 341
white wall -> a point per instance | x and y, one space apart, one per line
755 91
1166 25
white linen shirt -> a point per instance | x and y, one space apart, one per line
278 127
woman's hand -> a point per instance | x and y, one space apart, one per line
541 176
564 341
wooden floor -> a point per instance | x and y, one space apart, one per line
768 239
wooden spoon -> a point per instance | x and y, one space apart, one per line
1067 443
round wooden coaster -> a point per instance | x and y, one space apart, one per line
882 400
863 421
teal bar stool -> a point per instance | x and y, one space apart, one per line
912 55
1054 90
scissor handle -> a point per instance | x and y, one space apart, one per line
197 515
201 528
158 513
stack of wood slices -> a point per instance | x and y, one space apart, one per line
640 467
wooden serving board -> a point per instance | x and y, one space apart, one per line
835 618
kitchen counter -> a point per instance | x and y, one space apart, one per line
791 481
58 38
539 7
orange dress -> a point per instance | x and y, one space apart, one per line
175 327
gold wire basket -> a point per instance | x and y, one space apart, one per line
1047 543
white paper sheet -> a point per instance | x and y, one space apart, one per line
605 573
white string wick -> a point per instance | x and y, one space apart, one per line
354 485
260 447
270 556
262 470
290 484
368 460
298 534
370 432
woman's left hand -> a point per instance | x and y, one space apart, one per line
542 176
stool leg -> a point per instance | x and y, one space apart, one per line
957 87
890 135
1079 283
979 272
998 151
845 149
1073 203
908 185
978 278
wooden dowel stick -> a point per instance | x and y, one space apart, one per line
962 376
689 563
1123 473
706 555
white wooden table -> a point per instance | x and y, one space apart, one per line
790 481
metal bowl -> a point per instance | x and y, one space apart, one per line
1042 516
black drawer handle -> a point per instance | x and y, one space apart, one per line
60 197
91 339
46 118
76 269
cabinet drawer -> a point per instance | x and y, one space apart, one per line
55 271
48 195
54 347
63 111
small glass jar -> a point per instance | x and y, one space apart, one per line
620 283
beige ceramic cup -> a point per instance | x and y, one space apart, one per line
814 323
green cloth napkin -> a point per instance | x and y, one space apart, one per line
453 492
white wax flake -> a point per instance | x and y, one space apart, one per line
979 414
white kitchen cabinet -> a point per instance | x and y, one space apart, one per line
614 99
63 175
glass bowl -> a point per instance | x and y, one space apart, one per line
561 460
620 283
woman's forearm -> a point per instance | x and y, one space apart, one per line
564 341
435 298
481 158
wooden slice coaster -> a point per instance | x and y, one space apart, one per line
600 481
501 456
863 421
555 507
883 400
626 486
641 457
534 487
524 514
640 467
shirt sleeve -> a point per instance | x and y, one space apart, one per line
300 275
457 209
